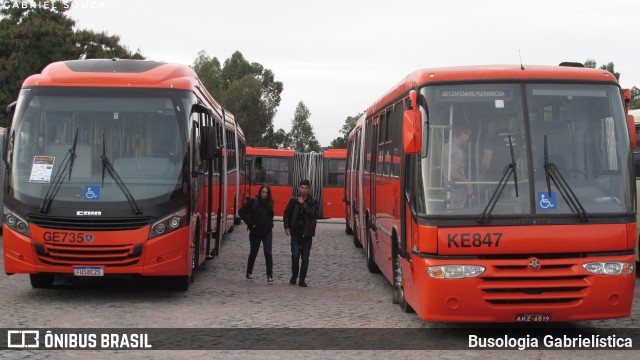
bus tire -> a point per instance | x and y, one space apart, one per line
398 293
41 280
371 264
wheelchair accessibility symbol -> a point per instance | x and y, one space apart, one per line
546 201
91 192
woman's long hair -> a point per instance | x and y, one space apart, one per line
269 200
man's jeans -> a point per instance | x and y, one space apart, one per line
300 246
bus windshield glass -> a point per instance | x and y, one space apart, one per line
481 146
138 130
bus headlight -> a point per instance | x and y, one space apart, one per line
15 222
169 223
455 271
609 268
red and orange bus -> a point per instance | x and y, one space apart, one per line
333 165
272 167
514 198
118 167
282 168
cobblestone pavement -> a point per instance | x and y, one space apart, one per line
341 294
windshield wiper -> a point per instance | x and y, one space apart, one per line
67 163
509 169
552 173
106 164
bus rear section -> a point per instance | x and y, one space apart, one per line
107 172
273 167
334 162
518 196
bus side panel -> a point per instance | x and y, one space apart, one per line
332 204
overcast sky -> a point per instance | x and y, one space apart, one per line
338 56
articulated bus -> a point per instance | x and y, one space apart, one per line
282 168
498 193
118 167
273 167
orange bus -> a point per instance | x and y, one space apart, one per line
118 167
333 164
514 198
282 169
273 167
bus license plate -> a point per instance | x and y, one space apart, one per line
533 317
88 271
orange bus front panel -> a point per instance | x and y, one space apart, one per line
119 252
542 239
562 290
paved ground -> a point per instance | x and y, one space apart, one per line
341 294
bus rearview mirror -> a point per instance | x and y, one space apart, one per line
209 143
412 126
632 130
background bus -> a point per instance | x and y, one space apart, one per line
283 169
117 167
546 233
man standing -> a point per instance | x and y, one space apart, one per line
299 220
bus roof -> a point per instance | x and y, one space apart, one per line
115 73
335 154
126 73
489 72
253 151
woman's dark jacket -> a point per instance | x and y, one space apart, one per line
309 208
258 215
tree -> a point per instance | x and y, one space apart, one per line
247 90
635 98
347 127
36 35
302 137
276 139
590 63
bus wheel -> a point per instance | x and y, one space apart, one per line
41 280
371 264
398 294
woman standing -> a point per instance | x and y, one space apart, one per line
257 213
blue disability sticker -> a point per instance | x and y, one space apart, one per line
547 201
92 192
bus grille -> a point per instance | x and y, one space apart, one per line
90 223
105 255
514 283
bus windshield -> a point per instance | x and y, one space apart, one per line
480 144
138 130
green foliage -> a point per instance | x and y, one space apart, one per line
341 141
246 89
276 139
33 37
635 98
302 137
